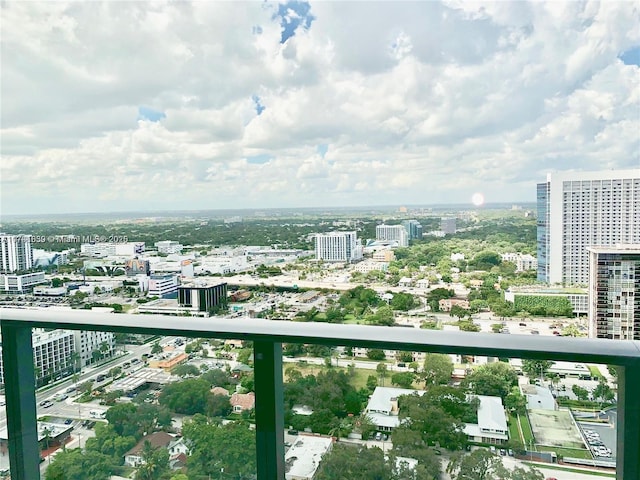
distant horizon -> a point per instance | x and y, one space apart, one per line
292 102
221 212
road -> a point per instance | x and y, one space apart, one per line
69 409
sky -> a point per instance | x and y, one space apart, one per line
176 105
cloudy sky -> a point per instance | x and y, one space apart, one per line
175 105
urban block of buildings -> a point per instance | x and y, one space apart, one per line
577 210
614 292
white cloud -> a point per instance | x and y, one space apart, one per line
418 102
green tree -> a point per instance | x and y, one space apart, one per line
536 368
580 392
603 392
516 402
403 379
230 448
77 465
155 463
353 463
424 422
156 348
403 301
494 379
187 397
185 370
218 406
375 354
480 464
437 369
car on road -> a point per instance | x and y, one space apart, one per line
68 421
61 397
70 389
101 378
293 432
46 404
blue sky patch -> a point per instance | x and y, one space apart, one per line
258 106
322 149
294 14
146 113
631 56
260 159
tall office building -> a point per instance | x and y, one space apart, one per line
393 233
338 247
614 292
413 228
577 210
16 253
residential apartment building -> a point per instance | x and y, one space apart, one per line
16 253
614 292
522 261
338 247
577 210
52 354
393 233
413 228
88 342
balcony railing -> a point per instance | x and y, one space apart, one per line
268 336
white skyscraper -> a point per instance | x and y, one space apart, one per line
614 292
16 253
577 210
338 247
393 233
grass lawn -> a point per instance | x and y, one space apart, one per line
526 429
595 372
351 319
514 431
571 452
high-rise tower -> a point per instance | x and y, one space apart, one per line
577 210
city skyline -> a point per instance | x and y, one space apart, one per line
274 105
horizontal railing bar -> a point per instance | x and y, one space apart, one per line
602 351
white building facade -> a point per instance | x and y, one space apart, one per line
168 247
577 210
87 342
14 283
52 354
16 253
614 292
393 233
105 249
338 247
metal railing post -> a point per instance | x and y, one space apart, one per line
628 424
269 410
20 395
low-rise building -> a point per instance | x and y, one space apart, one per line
445 304
168 360
20 283
383 409
304 457
241 402
172 443
492 422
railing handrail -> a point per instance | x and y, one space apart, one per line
616 352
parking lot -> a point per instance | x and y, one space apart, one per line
602 433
